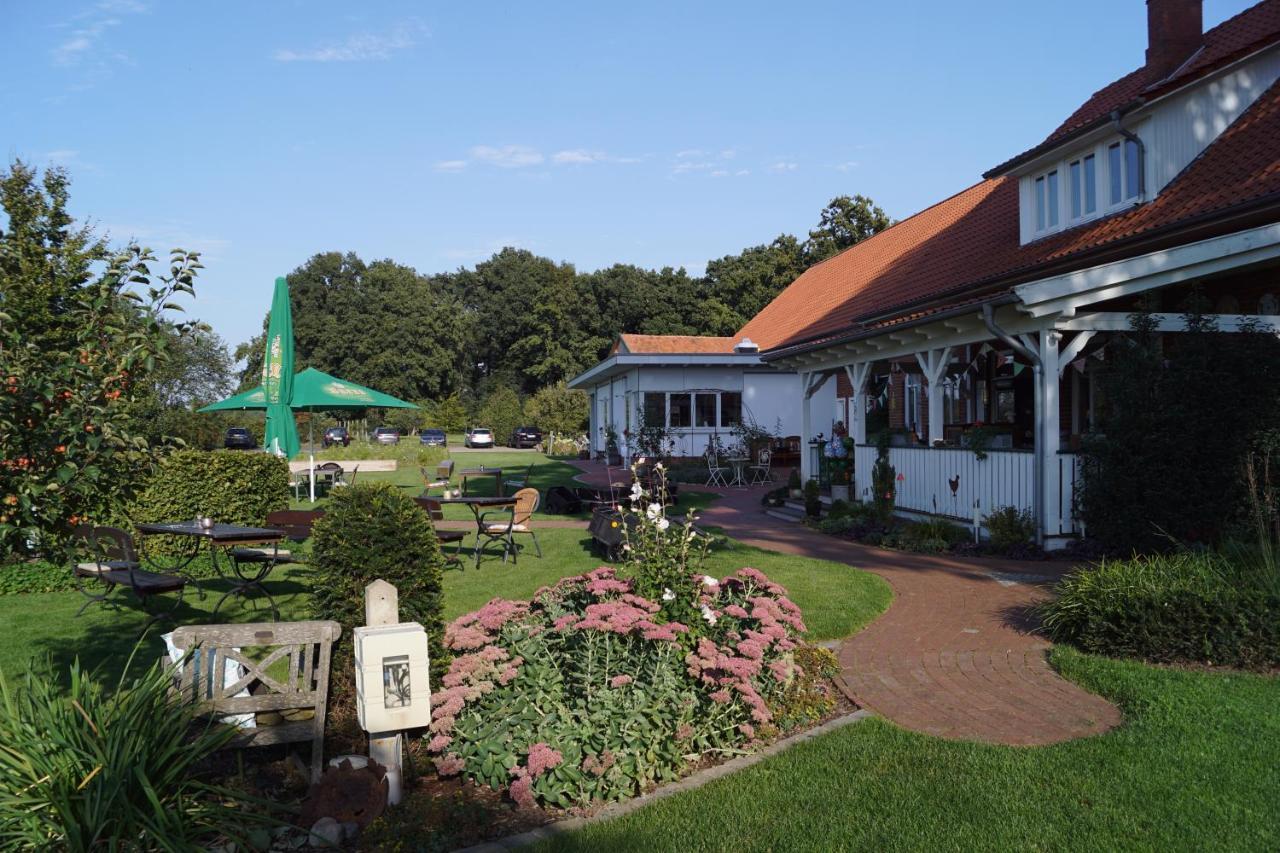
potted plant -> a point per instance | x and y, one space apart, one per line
793 484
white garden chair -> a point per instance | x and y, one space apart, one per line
761 472
715 471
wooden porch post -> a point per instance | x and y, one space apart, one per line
1047 412
934 364
858 374
806 427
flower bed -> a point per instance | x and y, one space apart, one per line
594 691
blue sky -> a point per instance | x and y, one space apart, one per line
434 134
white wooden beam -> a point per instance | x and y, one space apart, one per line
1070 351
1118 321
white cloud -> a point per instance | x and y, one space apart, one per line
846 166
90 26
360 47
62 157
720 173
507 156
742 172
579 156
690 152
784 166
451 165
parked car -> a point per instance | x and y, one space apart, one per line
336 435
478 437
526 436
386 435
431 437
239 438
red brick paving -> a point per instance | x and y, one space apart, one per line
952 656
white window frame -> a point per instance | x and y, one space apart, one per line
1039 220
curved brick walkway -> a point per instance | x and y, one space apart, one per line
953 655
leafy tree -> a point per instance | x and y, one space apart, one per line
79 351
448 414
558 408
737 287
844 222
501 412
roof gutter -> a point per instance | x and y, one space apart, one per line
1142 151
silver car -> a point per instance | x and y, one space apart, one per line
386 435
478 437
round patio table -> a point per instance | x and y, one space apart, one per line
739 464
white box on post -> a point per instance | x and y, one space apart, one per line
392 693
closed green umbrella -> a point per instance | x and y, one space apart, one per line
277 376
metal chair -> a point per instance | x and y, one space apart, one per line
520 482
519 520
434 511
715 470
107 556
762 472
331 471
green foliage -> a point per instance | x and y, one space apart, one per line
227 485
793 479
78 352
407 421
844 222
448 414
501 412
559 409
938 529
1184 415
1009 527
812 499
1181 607
809 696
83 768
634 700
737 287
884 483
372 531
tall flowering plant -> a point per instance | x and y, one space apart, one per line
663 559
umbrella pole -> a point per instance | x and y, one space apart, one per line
311 452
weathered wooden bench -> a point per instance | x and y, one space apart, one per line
304 646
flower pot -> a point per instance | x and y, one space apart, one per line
796 494
839 493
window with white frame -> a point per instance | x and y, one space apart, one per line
1082 186
692 409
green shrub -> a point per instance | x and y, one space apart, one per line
808 697
884 483
933 531
230 486
1183 607
836 524
371 531
44 576
1009 527
812 499
838 509
793 479
84 769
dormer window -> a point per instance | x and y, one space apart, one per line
1047 201
1125 165
1084 186
1086 183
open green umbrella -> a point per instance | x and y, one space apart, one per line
315 391
277 376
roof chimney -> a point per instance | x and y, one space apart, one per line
1175 30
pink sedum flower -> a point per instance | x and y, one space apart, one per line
543 758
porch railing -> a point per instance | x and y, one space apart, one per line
952 482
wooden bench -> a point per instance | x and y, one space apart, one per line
305 646
434 511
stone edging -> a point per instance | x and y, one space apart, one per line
689 783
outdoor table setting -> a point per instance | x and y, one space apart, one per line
739 464
478 505
495 473
246 571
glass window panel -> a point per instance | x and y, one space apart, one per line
681 410
655 409
1039 204
1114 173
1132 169
1052 201
730 409
1077 199
1090 185
706 410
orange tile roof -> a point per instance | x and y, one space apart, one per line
674 344
1234 38
966 247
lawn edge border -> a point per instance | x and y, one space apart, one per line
689 783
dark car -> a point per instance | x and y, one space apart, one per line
431 437
386 435
336 435
239 438
526 436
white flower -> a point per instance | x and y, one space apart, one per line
640 461
626 547
707 580
668 595
636 492
663 524
654 511
708 615
658 466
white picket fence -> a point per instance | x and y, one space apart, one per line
953 482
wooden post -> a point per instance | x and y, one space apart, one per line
382 607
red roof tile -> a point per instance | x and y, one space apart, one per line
1234 38
967 246
676 344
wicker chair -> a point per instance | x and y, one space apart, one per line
519 520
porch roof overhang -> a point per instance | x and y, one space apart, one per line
1045 303
622 362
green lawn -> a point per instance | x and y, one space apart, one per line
836 599
1193 768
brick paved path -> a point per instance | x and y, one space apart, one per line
952 656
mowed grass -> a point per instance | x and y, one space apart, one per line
1194 767
836 599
